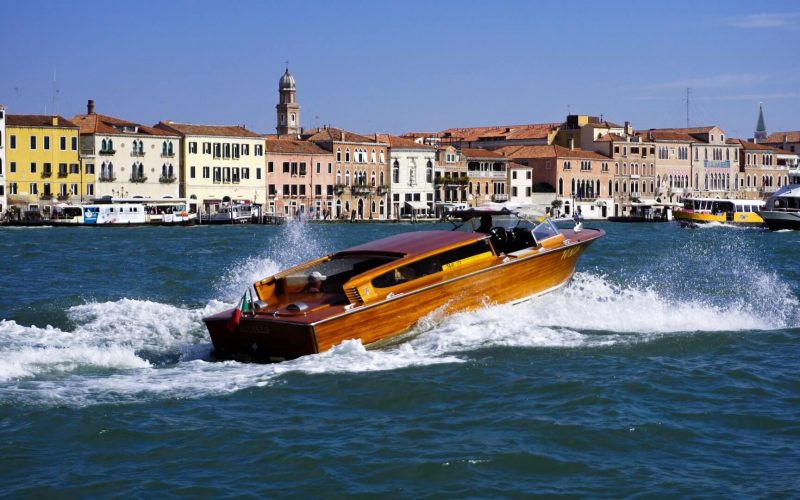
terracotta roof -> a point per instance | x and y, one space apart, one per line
777 137
480 153
609 137
212 130
549 151
402 143
508 132
287 146
665 135
38 121
102 124
753 146
602 125
331 134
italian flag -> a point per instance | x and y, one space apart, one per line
243 306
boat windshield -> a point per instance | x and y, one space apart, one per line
331 275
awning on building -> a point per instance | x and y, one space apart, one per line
418 205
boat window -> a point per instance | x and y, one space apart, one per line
339 269
545 230
430 265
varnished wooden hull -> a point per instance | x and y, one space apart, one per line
265 338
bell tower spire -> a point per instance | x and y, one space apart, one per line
287 108
761 129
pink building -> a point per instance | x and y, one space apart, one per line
299 178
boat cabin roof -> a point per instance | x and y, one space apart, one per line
414 243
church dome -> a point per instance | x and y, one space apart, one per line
286 82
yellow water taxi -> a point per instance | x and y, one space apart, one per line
724 211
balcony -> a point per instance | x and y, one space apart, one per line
339 189
106 178
451 181
46 196
382 189
166 179
62 173
167 155
63 197
107 151
47 173
137 153
488 174
87 151
138 180
360 190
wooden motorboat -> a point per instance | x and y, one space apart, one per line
380 289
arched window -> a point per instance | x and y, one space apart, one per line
338 176
338 154
382 157
560 186
110 145
169 149
372 207
347 176
374 159
382 183
170 171
103 145
347 155
396 172
372 178
164 148
609 189
291 120
429 172
164 170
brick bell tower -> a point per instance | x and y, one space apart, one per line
288 109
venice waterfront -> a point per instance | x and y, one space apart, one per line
668 366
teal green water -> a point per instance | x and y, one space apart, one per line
668 366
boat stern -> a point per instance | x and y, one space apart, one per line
259 338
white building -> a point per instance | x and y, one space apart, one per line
411 177
520 183
129 160
3 201
219 164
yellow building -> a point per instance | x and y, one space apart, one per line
44 168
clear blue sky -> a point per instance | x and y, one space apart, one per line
414 65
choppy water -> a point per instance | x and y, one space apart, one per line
669 366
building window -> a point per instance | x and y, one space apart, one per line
258 172
338 154
286 167
46 142
33 167
74 143
347 155
330 168
396 172
33 142
429 172
90 189
191 172
12 141
12 167
34 189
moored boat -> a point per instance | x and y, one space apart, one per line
724 211
233 213
380 289
782 210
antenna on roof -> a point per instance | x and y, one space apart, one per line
55 93
287 65
688 91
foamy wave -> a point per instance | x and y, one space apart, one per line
106 356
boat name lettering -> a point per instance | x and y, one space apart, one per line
570 252
254 327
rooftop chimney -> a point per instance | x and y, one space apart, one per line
90 107
342 135
55 121
571 143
